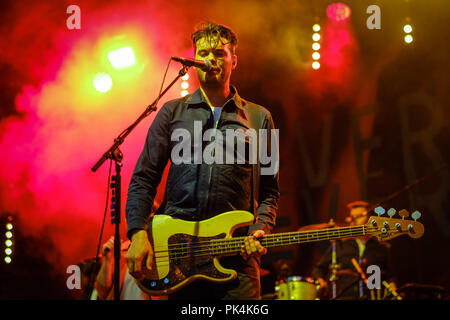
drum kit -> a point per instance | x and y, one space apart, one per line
295 287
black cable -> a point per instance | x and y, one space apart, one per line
162 83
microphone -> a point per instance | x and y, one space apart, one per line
204 65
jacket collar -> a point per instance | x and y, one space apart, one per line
198 98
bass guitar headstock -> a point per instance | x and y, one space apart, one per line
385 228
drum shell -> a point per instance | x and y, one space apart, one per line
297 288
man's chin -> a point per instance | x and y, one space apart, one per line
212 83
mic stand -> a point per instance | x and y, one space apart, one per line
334 268
363 276
115 218
116 155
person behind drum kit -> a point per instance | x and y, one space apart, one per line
104 281
104 284
367 250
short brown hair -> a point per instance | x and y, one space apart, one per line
211 30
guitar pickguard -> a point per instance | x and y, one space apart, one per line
191 257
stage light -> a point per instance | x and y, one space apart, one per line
8 259
122 58
407 28
8 251
408 38
102 82
8 234
9 226
316 46
8 243
184 85
338 11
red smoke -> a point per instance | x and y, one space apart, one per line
64 125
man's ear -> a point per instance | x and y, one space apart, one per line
234 63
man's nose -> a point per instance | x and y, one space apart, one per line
212 58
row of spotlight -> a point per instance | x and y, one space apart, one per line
316 45
9 241
408 36
124 57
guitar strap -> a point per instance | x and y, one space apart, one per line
256 122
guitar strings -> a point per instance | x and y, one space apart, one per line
342 229
236 245
271 239
207 252
165 262
300 233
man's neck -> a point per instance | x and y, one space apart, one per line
216 97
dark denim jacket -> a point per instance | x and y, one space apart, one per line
198 191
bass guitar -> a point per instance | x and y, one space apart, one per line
185 251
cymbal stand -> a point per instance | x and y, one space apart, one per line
334 267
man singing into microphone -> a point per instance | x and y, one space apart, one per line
200 191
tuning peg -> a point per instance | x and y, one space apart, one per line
416 215
392 212
403 213
379 211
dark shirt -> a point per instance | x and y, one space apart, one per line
375 253
197 191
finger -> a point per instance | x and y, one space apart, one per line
262 250
138 267
259 247
133 264
243 252
129 265
258 233
149 261
253 246
249 250
136 270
